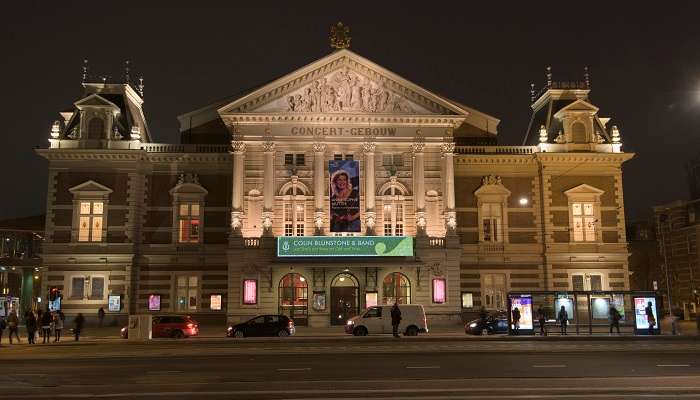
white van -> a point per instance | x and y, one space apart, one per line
378 320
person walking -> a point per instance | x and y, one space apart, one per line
13 326
649 311
58 325
31 324
542 319
46 320
78 325
395 319
615 318
3 325
516 321
563 319
697 322
100 316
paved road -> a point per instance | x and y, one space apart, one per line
376 368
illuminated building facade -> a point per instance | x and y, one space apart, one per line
250 215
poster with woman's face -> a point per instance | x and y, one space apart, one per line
345 195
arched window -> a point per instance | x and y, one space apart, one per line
578 132
396 289
393 211
96 128
294 297
294 212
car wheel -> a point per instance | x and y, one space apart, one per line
238 334
178 335
411 331
484 332
282 333
360 331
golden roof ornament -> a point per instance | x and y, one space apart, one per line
339 37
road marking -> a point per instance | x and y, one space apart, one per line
550 366
673 365
292 369
425 367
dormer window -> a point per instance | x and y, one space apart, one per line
189 222
188 210
492 203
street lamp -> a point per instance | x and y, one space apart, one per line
663 218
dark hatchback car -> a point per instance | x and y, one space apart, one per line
263 325
170 326
491 325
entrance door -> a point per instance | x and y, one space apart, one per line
345 298
294 298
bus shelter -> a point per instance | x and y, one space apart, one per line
588 311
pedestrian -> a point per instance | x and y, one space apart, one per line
516 321
13 325
58 325
697 322
31 324
649 311
542 319
46 320
78 325
3 325
615 318
563 319
100 316
395 319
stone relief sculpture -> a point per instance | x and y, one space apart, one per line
346 91
491 180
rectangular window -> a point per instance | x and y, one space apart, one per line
294 218
90 221
491 222
294 159
97 288
439 291
250 291
77 290
299 159
288 220
467 300
583 219
586 282
189 223
337 157
215 302
392 159
187 293
393 217
494 291
349 157
288 159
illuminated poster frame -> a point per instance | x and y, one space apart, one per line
344 191
154 302
114 303
641 326
524 304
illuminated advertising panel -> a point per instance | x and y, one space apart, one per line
154 302
344 246
641 321
250 291
524 304
115 303
215 302
371 299
568 303
439 291
344 195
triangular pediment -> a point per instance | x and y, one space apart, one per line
577 106
90 187
95 100
584 189
343 83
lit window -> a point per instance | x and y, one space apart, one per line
491 222
396 289
439 291
90 221
494 291
294 214
584 222
189 223
393 212
187 293
250 291
467 300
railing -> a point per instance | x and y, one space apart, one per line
436 242
524 150
185 148
491 248
252 243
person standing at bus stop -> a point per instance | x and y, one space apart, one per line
516 321
563 319
649 311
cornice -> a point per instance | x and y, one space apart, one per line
92 154
360 119
617 158
494 159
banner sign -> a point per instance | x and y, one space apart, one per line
345 195
344 246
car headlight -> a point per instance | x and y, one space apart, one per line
473 325
230 328
351 322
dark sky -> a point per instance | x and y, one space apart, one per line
644 64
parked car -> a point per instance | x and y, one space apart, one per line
491 325
263 325
170 326
378 320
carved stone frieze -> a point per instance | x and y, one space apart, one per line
491 180
188 178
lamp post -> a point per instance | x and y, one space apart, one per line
662 220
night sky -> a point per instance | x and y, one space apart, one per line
644 65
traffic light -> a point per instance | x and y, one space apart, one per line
53 294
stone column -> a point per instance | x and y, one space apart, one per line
319 186
238 147
450 214
370 213
419 182
268 186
